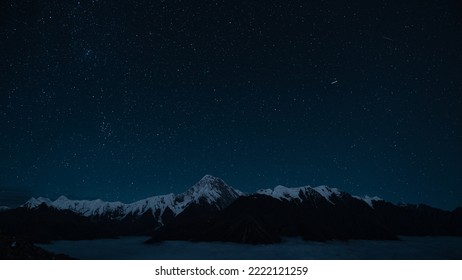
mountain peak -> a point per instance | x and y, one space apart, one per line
213 190
35 202
62 198
209 179
209 184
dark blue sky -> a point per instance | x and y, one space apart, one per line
126 99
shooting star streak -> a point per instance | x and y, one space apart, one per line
388 38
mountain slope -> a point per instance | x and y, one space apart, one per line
317 213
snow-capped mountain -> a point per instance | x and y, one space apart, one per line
209 189
302 193
211 210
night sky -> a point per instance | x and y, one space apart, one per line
121 100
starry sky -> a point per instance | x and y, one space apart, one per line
122 100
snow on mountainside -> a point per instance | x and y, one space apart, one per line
281 192
368 199
299 193
209 189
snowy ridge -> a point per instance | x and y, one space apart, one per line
327 192
86 207
368 199
299 193
209 189
4 208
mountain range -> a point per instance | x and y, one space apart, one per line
213 211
